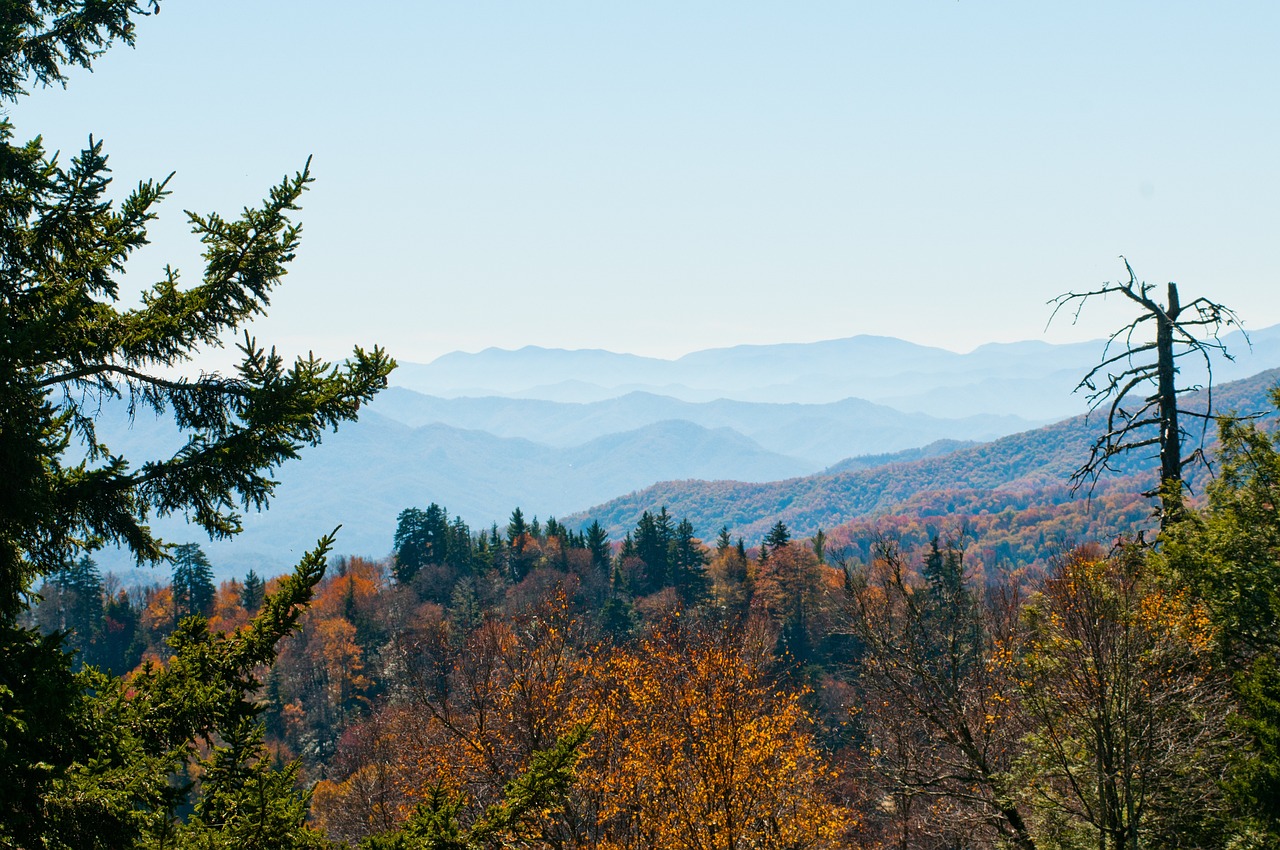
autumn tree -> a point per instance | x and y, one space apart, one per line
790 586
1126 708
473 719
938 709
1138 385
696 746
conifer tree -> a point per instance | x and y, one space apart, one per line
68 346
251 592
598 546
192 581
723 540
86 762
688 563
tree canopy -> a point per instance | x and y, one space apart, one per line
67 345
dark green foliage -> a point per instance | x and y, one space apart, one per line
120 650
422 538
951 620
688 562
516 527
251 591
41 728
723 540
244 803
1230 556
66 347
778 536
84 761
41 38
653 537
192 585
820 546
72 601
88 763
597 543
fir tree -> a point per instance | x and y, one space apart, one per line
85 761
193 588
597 543
251 592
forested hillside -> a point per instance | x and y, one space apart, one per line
1033 461
926 647
897 681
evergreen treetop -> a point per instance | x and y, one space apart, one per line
67 346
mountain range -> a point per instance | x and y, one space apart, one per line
480 457
1038 460
1033 380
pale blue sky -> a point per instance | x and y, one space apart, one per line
663 177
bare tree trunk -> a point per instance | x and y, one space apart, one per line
1170 433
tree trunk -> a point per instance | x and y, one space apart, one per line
1170 435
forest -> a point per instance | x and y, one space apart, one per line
659 691
988 669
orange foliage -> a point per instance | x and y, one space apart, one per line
693 743
228 614
695 747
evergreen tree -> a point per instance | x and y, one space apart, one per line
251 592
820 546
119 651
516 527
73 602
459 553
86 762
421 538
688 564
597 544
1229 555
654 534
950 613
778 536
193 588
723 540
409 544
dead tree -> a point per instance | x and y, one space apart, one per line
1151 366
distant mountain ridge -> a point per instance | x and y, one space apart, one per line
482 457
817 435
1030 379
1033 460
365 474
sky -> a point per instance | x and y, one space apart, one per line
664 177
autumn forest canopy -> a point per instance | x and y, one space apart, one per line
1086 656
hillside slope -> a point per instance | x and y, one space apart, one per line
1036 460
817 434
365 474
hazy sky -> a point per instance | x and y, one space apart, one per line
664 177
